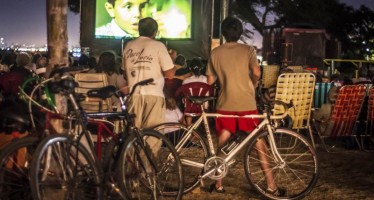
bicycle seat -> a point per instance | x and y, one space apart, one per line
200 100
102 93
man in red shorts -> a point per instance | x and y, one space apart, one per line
236 67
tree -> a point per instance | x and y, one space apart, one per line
353 28
57 37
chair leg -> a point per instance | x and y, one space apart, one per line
311 136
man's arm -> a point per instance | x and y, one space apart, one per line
169 74
211 79
255 75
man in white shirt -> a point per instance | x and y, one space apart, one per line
145 58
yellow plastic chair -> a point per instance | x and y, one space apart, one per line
88 81
270 75
298 87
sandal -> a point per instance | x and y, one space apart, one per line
279 192
214 188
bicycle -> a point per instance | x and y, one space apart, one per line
15 157
290 156
62 166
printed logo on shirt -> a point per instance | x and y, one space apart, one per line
138 57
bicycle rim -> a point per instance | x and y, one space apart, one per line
14 169
63 169
194 149
139 180
297 175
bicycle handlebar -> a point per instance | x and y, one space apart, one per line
141 83
285 105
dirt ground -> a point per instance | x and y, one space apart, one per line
346 175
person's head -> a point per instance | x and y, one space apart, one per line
35 57
170 103
148 27
126 13
10 59
107 63
363 72
92 62
232 29
196 66
22 59
83 60
41 62
180 60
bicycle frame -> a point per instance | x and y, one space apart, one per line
265 123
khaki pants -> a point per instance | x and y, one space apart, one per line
149 110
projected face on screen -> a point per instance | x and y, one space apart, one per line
119 18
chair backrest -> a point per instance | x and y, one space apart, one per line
298 87
193 89
270 74
88 81
346 109
320 94
296 69
370 114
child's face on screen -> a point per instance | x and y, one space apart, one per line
127 14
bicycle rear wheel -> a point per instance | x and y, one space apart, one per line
15 163
193 149
139 179
63 169
298 173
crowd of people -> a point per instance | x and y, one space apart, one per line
232 65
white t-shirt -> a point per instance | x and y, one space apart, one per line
194 78
173 115
145 58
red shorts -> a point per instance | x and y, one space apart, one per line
233 124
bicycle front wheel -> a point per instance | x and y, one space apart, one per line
139 178
63 169
15 163
296 172
190 147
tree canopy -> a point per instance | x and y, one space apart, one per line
354 28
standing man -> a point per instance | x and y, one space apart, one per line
145 58
236 67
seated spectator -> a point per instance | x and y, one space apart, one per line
363 76
196 67
107 64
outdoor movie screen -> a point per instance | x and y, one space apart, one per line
119 18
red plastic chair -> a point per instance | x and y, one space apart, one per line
193 89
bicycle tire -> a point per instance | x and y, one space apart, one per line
298 175
195 149
70 172
136 174
14 168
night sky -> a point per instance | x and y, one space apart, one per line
24 21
